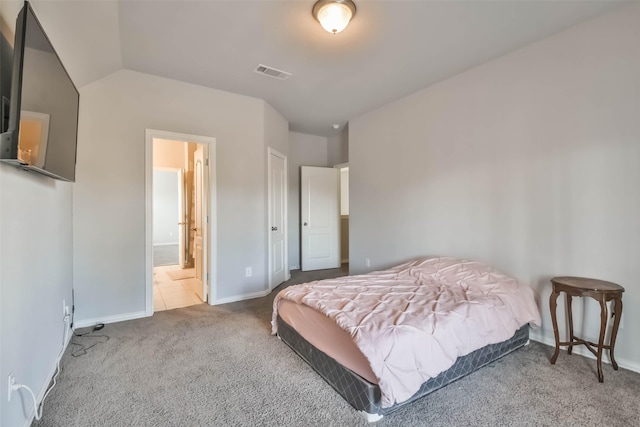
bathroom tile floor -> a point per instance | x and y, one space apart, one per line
169 294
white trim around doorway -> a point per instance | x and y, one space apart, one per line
212 253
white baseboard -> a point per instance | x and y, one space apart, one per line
295 267
110 319
582 351
237 298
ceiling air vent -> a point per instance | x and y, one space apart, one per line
272 72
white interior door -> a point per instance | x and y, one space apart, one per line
277 218
320 217
181 220
199 240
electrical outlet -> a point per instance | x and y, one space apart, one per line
248 272
65 309
11 382
367 262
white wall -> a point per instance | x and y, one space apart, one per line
36 276
35 273
304 150
109 202
529 163
165 207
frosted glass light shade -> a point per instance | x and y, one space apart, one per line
334 16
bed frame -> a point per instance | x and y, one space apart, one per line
365 396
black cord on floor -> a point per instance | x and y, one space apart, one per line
81 349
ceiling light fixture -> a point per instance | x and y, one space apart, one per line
334 15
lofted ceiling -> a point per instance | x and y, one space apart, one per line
391 48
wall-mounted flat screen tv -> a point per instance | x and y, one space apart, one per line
42 121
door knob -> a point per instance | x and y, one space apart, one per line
274 228
305 224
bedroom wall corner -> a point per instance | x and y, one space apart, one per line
109 199
338 147
276 130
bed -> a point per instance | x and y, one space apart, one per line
387 338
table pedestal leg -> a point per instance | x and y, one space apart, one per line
603 329
570 321
553 302
617 311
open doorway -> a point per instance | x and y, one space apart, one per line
175 192
180 198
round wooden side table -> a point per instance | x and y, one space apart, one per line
602 292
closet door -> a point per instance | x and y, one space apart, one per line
320 217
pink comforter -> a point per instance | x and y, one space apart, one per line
414 320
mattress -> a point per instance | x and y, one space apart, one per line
411 322
323 333
365 396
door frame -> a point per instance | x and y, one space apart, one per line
285 194
211 232
205 221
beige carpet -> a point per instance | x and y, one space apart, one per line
219 366
187 273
